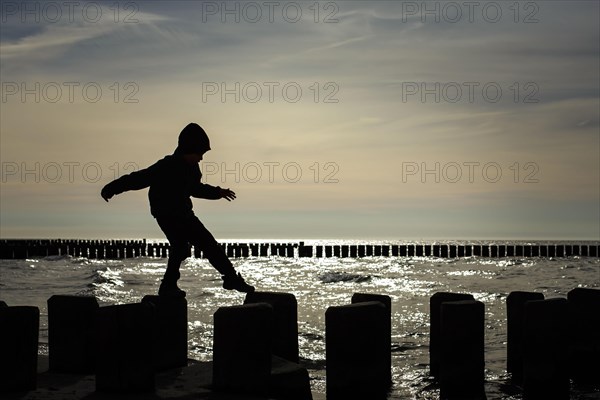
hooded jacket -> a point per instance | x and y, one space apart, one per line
172 182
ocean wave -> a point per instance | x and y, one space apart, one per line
57 257
104 276
333 277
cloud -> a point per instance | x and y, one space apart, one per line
28 45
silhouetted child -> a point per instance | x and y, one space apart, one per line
172 181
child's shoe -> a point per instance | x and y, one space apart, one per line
236 282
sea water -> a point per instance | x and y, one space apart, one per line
319 283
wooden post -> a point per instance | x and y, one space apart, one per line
462 362
584 335
357 351
124 348
493 251
71 333
545 374
515 323
468 251
453 251
362 251
285 322
427 249
385 250
345 251
18 348
485 250
242 348
169 331
435 307
419 250
387 302
328 251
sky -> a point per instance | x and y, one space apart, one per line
334 119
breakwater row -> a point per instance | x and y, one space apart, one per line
550 342
115 249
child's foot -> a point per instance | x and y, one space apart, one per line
235 281
170 291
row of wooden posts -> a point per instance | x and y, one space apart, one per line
549 342
115 249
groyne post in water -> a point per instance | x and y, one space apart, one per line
19 334
170 331
545 350
462 362
435 335
124 348
71 333
357 351
387 302
515 323
285 322
242 348
584 335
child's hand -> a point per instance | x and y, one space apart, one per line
106 194
227 194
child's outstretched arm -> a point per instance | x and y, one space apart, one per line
134 181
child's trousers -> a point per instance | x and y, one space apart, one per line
183 231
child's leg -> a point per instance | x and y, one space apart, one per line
201 238
178 249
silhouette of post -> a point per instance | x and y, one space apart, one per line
19 335
264 249
124 348
545 349
435 304
337 251
377 250
419 250
357 351
453 251
462 362
584 330
3 304
71 333
427 250
515 321
387 302
444 251
501 251
170 331
242 348
285 322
